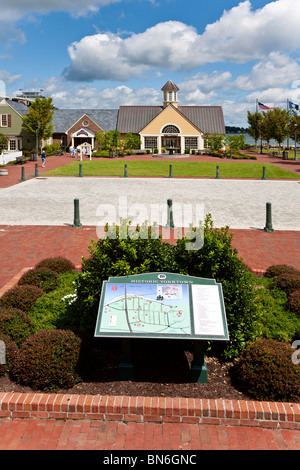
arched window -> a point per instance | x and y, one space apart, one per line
170 129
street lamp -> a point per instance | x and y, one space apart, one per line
295 125
37 143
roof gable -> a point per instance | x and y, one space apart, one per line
19 108
170 115
64 119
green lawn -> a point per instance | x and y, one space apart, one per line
230 169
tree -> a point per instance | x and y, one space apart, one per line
294 126
109 139
266 127
39 119
279 123
132 141
255 121
236 142
214 141
3 143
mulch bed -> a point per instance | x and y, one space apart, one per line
162 369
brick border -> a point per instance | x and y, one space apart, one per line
150 409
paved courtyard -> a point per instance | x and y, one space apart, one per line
241 204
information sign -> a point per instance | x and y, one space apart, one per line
162 305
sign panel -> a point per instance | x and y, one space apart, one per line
162 305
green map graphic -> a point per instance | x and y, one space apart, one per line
143 308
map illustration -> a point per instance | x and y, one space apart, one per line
146 308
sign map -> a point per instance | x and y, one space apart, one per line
161 305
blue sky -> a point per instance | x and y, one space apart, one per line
107 53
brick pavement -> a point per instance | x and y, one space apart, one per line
259 250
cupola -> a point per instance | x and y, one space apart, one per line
170 93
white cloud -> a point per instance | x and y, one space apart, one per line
240 35
8 78
16 9
277 70
66 95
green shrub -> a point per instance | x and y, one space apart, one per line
288 282
47 360
57 264
265 371
277 269
125 255
15 324
51 149
21 297
101 153
48 312
293 302
119 256
11 350
43 278
276 321
218 260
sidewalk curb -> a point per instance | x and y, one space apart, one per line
276 415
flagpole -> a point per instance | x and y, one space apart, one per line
287 107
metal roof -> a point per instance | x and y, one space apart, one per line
170 86
63 119
134 118
21 108
208 119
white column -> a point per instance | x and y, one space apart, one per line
159 143
142 142
182 146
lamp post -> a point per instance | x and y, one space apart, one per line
37 143
295 125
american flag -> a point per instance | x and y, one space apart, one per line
263 106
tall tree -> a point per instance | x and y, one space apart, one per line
279 123
254 121
39 119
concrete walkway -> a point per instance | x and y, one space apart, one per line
237 203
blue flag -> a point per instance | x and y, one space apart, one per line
293 106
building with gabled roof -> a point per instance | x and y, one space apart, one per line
170 126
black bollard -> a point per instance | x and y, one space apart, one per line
80 170
264 173
76 223
218 173
170 222
36 170
125 171
171 172
23 174
268 227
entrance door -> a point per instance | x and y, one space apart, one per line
171 142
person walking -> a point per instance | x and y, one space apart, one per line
43 155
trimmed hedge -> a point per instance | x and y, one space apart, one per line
43 278
58 264
265 371
288 282
278 269
293 302
47 360
21 297
15 324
